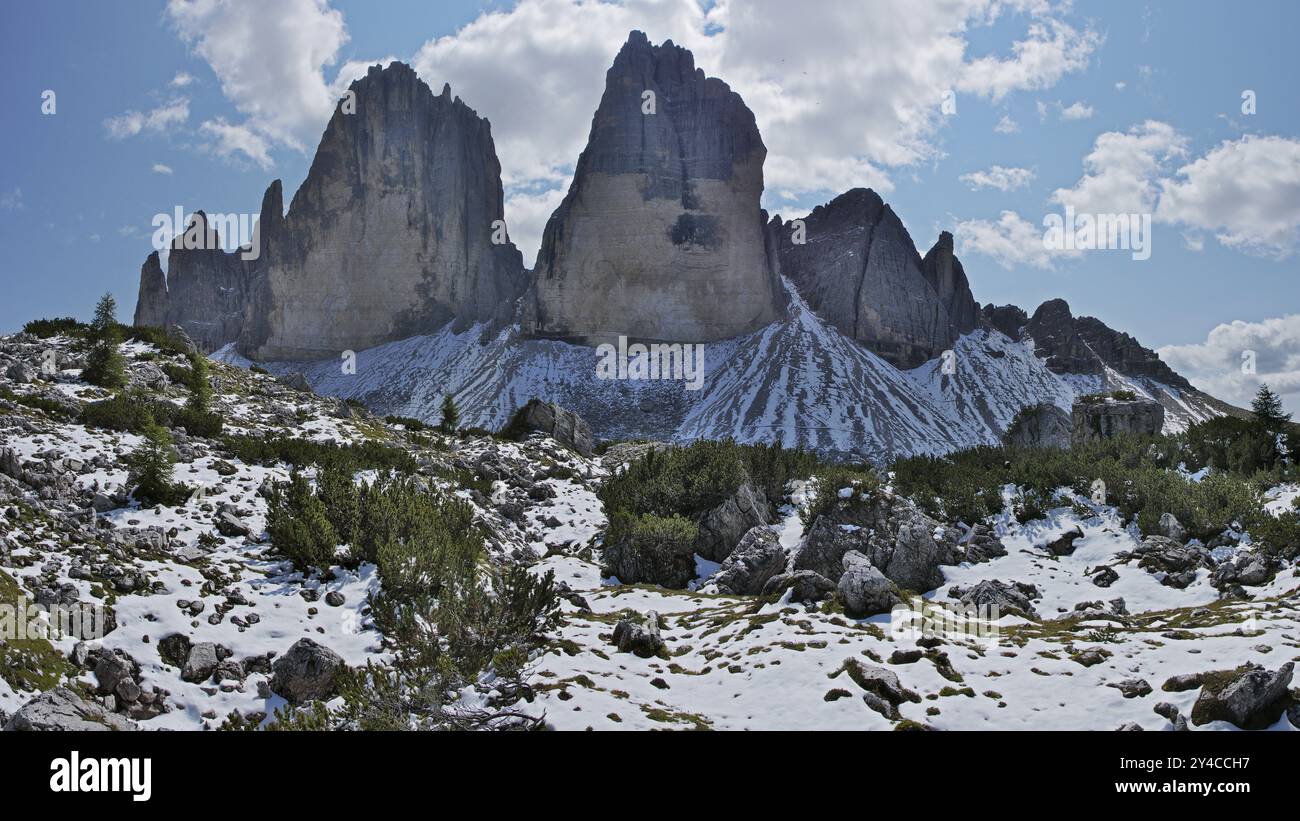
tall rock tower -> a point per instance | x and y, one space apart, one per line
660 236
392 233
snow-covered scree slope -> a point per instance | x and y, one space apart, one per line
206 571
798 381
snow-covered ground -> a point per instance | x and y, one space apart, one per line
739 663
732 662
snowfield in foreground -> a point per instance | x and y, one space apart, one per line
1087 657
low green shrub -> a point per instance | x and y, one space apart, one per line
304 452
62 326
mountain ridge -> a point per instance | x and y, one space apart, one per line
659 238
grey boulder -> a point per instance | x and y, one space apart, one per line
308 672
61 709
722 527
863 589
1251 697
639 635
757 558
564 426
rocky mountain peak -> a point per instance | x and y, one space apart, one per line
856 266
1006 319
1056 340
1086 345
943 271
663 211
151 303
396 231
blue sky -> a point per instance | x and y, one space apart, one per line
848 97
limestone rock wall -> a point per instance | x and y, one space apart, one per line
391 233
1094 421
397 230
660 236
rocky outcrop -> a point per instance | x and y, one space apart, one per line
1093 421
397 230
62 709
749 567
902 542
1039 426
663 212
1250 697
564 426
855 265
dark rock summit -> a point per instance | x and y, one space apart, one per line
1085 345
660 236
857 268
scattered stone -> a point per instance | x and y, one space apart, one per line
1105 577
1132 687
1064 545
200 663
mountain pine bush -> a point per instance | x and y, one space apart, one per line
149 470
299 526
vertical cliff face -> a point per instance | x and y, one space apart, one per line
206 287
397 230
392 232
660 236
151 302
857 268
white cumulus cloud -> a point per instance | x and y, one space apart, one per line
1122 172
999 177
156 121
1011 241
269 58
1216 365
1245 192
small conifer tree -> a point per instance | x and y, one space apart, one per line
105 366
450 415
